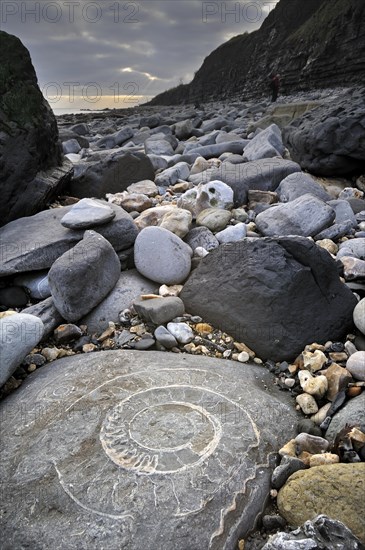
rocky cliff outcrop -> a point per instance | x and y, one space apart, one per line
31 167
312 44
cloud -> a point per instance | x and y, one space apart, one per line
147 45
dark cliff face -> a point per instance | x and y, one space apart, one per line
311 43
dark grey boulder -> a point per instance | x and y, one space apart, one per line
330 139
116 139
275 295
113 449
130 286
34 243
299 184
83 276
112 174
265 144
31 172
217 149
306 216
320 533
262 175
344 212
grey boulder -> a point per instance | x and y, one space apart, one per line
162 256
134 446
116 139
19 334
298 184
267 143
82 277
275 295
88 213
47 313
306 216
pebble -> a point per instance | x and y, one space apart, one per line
88 213
313 385
311 443
338 378
178 221
159 310
215 219
314 361
232 233
359 316
287 467
144 187
165 337
51 354
173 290
181 331
66 333
321 414
35 283
356 365
307 403
328 245
322 459
306 425
243 357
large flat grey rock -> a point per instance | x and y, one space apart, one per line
113 449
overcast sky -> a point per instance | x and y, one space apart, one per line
120 53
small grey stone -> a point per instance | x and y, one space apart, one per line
66 333
143 344
356 365
311 443
159 310
36 283
165 337
201 237
181 331
308 426
359 316
232 233
287 467
171 175
19 334
88 213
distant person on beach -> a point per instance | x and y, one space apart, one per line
274 85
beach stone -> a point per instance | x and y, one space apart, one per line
215 219
115 139
159 310
183 129
181 331
319 416
266 144
201 237
270 280
311 443
71 146
359 316
356 365
263 175
172 175
338 379
19 334
353 268
178 221
129 286
81 128
295 185
87 213
344 212
158 146
112 173
145 187
232 233
130 202
165 338
307 403
153 216
36 284
35 242
308 426
351 414
215 150
82 277
314 361
162 256
329 140
215 194
314 385
287 467
102 412
66 333
352 247
326 489
48 313
306 216
328 245
323 458
320 533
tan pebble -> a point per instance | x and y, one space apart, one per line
314 346
307 403
243 357
87 348
50 353
173 290
357 435
258 361
289 449
190 348
337 377
203 328
138 329
241 544
293 369
313 385
321 414
150 296
242 347
32 367
354 391
106 334
322 459
273 493
328 245
314 361
235 356
108 344
218 354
